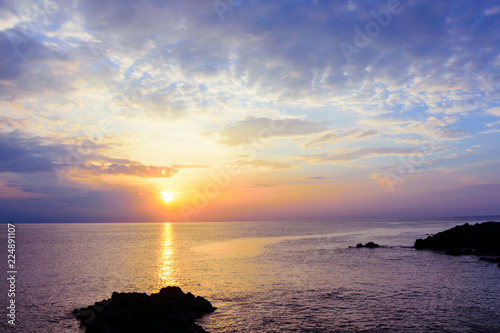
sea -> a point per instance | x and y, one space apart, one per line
300 276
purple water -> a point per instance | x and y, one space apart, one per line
262 276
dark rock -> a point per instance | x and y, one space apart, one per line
170 310
460 252
481 238
493 260
488 251
370 245
468 251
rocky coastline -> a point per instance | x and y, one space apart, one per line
168 311
478 239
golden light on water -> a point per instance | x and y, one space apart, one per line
166 274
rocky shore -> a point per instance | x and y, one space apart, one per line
370 245
477 239
168 311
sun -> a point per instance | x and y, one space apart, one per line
167 196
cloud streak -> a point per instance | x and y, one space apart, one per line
253 129
138 170
336 156
273 165
335 136
24 154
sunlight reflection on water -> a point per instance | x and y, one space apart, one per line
253 246
262 277
166 273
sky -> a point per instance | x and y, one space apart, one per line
248 110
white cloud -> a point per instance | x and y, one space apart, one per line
334 136
261 129
266 164
494 111
336 156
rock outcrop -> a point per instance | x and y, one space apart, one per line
170 310
492 260
370 245
479 239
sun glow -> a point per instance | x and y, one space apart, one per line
167 196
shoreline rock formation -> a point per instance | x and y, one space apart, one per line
370 245
169 310
480 238
477 239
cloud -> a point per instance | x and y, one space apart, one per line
481 164
21 71
452 156
290 55
493 123
161 102
384 121
434 129
23 154
491 131
494 111
145 65
334 136
336 156
13 123
189 166
316 178
368 133
254 129
262 185
104 203
447 128
385 180
265 164
138 170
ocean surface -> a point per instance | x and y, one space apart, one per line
262 276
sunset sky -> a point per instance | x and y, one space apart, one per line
248 110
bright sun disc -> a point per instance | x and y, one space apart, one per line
167 196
